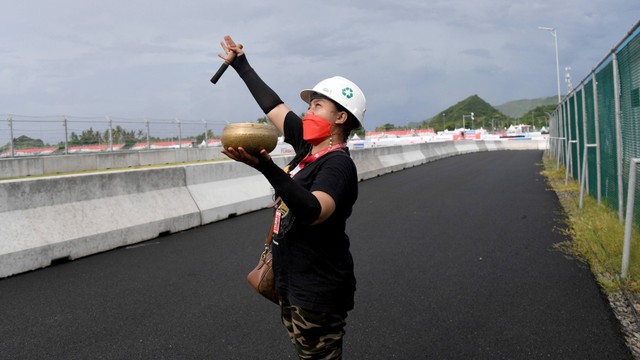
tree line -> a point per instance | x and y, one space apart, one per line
119 135
122 136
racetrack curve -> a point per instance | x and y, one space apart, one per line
454 260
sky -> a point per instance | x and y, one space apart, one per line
143 59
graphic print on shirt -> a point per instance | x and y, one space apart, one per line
284 220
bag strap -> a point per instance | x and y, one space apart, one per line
267 241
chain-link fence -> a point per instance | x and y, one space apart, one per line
595 130
45 135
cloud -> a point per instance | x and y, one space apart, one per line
412 58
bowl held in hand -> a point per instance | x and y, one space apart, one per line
252 137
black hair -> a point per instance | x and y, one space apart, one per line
350 125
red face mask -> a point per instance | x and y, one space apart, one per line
315 128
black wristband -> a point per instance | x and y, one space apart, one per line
241 65
266 98
302 203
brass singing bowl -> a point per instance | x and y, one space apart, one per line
252 137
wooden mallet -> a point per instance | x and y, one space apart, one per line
224 67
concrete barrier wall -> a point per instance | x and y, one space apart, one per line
225 189
57 164
28 166
66 217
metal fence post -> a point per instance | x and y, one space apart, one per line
569 161
585 137
206 137
575 109
616 101
560 134
570 141
11 148
148 138
66 135
585 173
596 119
179 133
583 176
628 224
110 133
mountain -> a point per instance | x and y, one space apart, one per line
518 108
23 142
460 114
539 116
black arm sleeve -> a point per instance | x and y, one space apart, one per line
266 98
303 204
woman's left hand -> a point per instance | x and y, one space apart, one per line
244 157
231 49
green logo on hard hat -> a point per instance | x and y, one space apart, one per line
347 92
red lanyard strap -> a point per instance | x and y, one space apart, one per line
313 157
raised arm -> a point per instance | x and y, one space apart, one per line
267 99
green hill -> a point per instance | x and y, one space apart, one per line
518 108
24 142
538 116
483 115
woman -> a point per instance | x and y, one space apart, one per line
312 262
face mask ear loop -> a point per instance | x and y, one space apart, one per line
338 133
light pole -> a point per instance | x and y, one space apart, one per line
548 119
555 40
464 116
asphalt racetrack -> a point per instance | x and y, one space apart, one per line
454 260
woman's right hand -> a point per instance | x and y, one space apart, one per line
231 49
242 156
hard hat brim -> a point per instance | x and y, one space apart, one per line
305 95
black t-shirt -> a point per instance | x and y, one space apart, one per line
312 263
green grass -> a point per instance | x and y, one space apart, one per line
596 234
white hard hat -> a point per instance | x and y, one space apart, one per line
343 92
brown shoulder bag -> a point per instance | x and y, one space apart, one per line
261 278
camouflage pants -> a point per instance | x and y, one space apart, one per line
315 335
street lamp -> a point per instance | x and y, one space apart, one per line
555 40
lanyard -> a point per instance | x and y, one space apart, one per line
313 157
